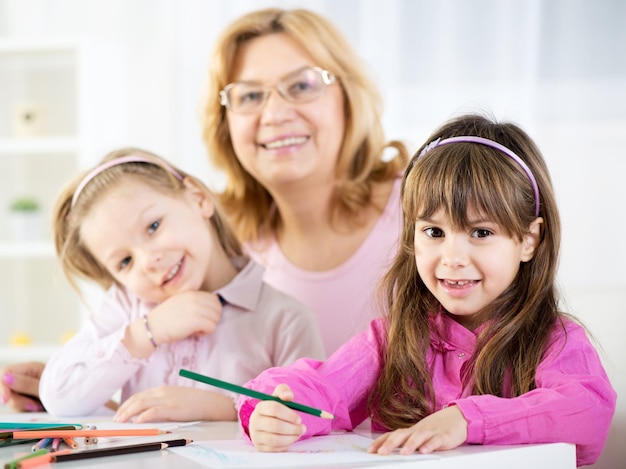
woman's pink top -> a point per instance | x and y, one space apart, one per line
260 327
343 298
574 401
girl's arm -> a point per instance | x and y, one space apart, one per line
340 385
93 365
574 402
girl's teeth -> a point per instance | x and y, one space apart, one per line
173 272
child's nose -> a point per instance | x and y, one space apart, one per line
455 253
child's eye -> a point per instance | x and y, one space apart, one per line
153 226
481 233
124 263
434 232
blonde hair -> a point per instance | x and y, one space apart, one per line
456 178
246 201
76 260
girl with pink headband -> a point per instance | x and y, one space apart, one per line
180 294
473 348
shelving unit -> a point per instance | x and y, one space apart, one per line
41 147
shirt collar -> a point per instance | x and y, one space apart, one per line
244 290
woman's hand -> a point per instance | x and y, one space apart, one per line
273 426
176 403
19 386
445 429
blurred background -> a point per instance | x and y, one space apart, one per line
79 78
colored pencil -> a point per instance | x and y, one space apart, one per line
71 442
100 452
11 464
12 442
256 394
40 460
25 425
55 444
81 433
9 434
41 444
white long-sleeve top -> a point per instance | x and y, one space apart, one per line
260 327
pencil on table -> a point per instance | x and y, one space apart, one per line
12 464
90 433
71 442
40 426
96 453
55 444
9 434
256 394
41 444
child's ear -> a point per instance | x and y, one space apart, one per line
531 239
199 196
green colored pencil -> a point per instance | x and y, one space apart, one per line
13 464
256 394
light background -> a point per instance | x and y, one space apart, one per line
557 67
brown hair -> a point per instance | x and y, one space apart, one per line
246 201
75 258
455 178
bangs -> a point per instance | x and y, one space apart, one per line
467 180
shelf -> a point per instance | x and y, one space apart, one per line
38 146
39 353
26 249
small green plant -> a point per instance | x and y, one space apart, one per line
25 204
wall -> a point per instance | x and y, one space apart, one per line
558 67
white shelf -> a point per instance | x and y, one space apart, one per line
26 249
38 146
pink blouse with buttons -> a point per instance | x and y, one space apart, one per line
260 327
573 402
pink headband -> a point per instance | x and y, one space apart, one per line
489 143
117 161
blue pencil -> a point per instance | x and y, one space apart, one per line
41 444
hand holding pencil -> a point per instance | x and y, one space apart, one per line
273 426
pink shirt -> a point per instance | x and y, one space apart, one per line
574 401
260 327
342 299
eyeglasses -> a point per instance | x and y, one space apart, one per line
301 86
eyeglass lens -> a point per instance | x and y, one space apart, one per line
301 86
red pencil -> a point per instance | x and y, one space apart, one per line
81 433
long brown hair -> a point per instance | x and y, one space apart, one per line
246 201
456 178
75 258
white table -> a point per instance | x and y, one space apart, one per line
549 456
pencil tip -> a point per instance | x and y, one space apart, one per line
327 415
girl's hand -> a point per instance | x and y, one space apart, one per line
185 314
176 403
273 426
445 429
19 386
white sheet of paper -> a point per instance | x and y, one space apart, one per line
336 449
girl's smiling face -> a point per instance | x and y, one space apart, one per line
153 243
285 142
467 269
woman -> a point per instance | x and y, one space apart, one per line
294 122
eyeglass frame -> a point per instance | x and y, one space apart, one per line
328 78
